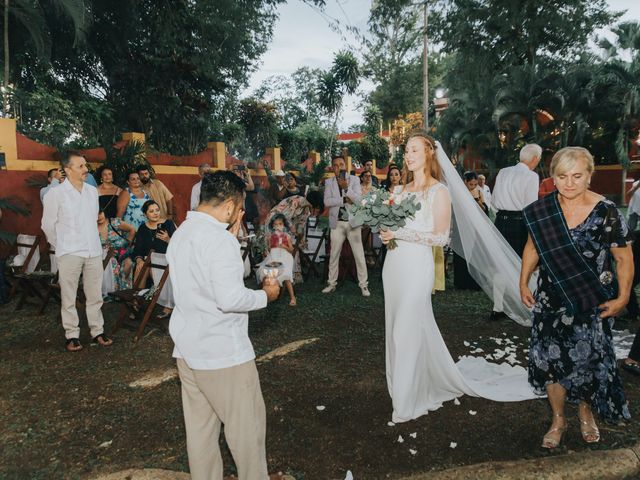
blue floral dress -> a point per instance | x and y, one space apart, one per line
133 214
117 240
577 351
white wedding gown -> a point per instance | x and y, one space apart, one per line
421 374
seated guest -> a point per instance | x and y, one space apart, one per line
394 178
154 235
195 190
108 192
278 189
117 235
54 177
130 201
291 184
280 250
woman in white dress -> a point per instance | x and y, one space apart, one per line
421 373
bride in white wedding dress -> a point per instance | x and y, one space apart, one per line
421 373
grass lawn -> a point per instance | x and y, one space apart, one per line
73 415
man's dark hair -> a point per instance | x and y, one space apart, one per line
142 167
147 204
367 161
65 157
50 172
333 159
220 186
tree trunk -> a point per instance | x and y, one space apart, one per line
334 131
5 93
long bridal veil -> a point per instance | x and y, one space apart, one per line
492 263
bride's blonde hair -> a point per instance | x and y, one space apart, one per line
431 166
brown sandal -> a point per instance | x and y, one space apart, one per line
102 340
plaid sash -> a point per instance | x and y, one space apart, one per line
570 274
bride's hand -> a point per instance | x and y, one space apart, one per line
527 297
386 236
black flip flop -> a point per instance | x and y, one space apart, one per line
633 368
75 342
104 339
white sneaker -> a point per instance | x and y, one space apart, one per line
365 292
329 289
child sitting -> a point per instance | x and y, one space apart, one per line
280 250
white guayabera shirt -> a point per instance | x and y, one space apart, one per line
515 188
210 321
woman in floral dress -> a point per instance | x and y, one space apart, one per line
575 237
116 235
131 200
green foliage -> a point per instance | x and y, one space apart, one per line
380 209
298 142
260 123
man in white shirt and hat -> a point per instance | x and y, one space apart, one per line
70 222
278 190
209 327
515 188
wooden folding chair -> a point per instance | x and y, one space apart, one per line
133 303
309 257
31 244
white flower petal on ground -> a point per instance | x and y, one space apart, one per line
477 350
400 439
349 475
466 344
391 424
413 435
105 444
412 451
472 412
320 408
453 445
456 401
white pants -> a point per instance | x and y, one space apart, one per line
354 235
69 269
231 396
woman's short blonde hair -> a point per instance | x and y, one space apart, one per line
565 159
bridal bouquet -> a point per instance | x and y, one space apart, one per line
382 210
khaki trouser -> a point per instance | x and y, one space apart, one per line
229 396
69 269
345 231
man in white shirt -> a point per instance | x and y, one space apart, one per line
54 177
515 188
209 327
486 191
70 222
195 190
340 191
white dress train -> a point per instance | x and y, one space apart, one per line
421 373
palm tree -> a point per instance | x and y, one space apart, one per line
340 80
30 15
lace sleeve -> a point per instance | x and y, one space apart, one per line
440 208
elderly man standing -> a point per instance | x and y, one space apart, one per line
209 324
340 191
70 222
195 190
515 188
278 190
157 191
486 191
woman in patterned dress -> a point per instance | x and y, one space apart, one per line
117 235
575 237
130 201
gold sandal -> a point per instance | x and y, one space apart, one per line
551 443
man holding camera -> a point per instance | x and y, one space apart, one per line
340 191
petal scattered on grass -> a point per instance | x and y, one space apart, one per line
472 412
413 435
412 451
391 424
453 445
456 401
320 408
400 439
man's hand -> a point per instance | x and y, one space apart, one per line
343 183
235 228
348 200
271 288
